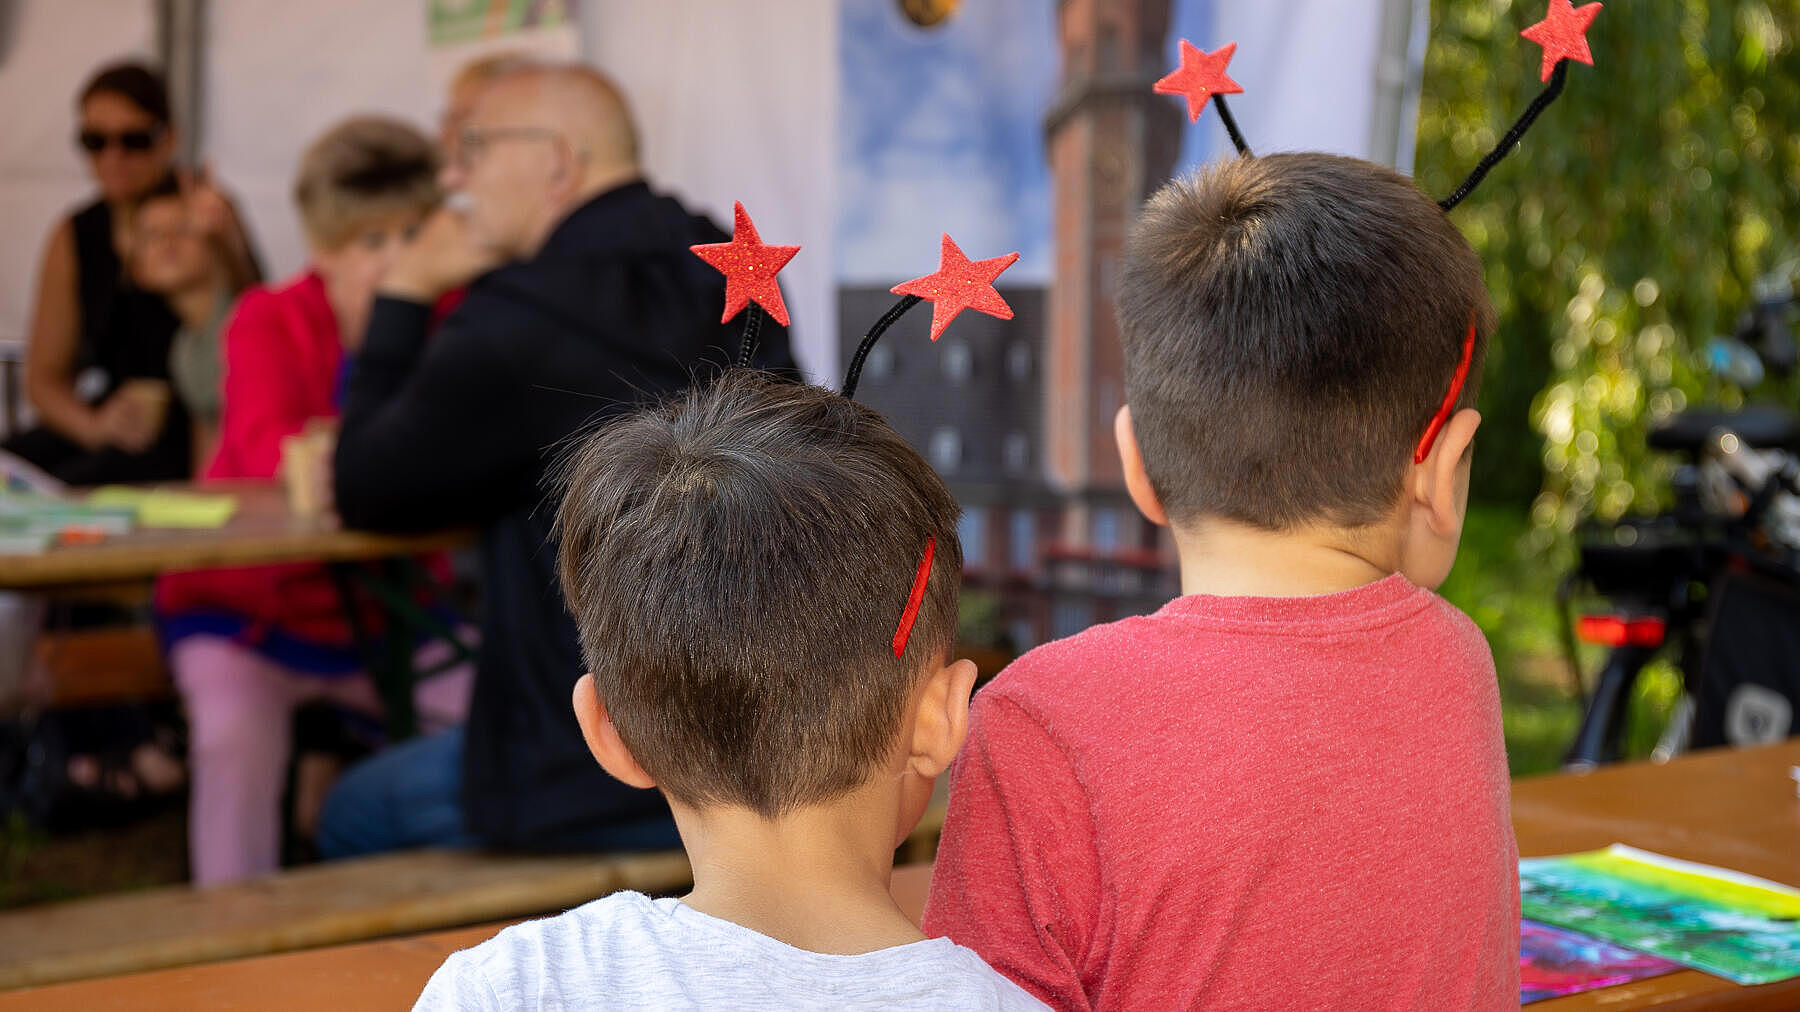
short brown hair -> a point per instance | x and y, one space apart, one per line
363 169
1291 323
134 82
737 561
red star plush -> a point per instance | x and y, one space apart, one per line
749 266
960 284
1200 76
1563 33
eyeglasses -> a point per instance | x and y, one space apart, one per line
96 141
474 141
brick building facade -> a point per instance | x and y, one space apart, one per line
1018 415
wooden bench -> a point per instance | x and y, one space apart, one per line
329 904
385 974
324 904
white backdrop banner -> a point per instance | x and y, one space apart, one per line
737 101
51 47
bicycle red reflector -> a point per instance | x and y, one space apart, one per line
1617 631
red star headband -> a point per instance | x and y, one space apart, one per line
750 267
1448 407
1201 78
1563 34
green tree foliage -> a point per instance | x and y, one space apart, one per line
1624 233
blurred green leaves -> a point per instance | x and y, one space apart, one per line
1623 234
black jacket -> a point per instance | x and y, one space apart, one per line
465 428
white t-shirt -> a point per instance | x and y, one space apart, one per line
630 951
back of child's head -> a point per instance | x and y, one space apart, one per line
1291 323
738 561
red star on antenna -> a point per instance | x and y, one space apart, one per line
749 266
1563 33
960 284
1200 76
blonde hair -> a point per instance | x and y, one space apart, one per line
363 169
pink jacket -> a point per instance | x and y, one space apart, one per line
283 360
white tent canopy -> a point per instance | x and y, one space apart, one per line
738 103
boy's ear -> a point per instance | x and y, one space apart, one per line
1137 480
1435 483
603 739
941 719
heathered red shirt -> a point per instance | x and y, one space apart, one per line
1242 803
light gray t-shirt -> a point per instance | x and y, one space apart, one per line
630 951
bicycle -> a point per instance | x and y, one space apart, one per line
1715 579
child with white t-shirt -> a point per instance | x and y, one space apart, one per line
765 578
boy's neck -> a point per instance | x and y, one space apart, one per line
1228 559
816 878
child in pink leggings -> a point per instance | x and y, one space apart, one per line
250 646
240 711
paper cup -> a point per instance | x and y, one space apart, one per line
152 396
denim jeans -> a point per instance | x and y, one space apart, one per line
409 795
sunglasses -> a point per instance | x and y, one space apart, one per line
96 141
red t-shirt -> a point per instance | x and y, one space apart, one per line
1242 803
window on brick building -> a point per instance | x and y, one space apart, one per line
958 361
1018 362
971 530
880 363
946 449
1022 539
1106 531
1015 451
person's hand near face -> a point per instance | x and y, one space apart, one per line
209 213
126 423
354 269
446 254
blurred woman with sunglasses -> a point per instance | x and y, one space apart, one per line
97 363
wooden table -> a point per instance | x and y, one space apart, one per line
1736 809
262 531
1731 808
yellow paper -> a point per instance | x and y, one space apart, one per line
166 508
186 509
128 496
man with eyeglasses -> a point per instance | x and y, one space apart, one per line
583 300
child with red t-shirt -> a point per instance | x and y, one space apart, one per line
1287 788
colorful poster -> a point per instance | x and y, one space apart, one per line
1741 928
1554 962
454 21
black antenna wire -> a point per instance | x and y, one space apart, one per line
862 350
752 327
1511 140
1231 127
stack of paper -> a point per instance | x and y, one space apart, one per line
32 523
1742 928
